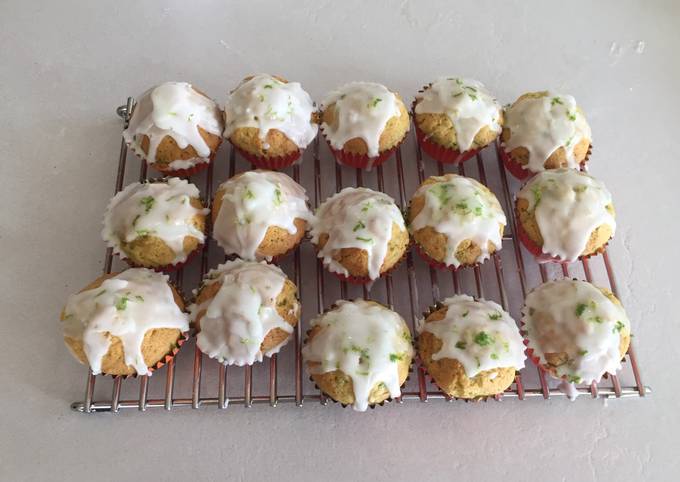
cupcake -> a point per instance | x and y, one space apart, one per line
359 234
544 130
575 330
125 324
358 353
471 348
260 215
243 311
363 123
455 118
270 120
455 221
175 128
564 214
155 224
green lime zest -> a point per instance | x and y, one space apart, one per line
374 102
574 379
121 304
395 357
483 339
147 202
278 198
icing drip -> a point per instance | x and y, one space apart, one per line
576 319
251 204
173 109
365 341
362 110
568 205
241 314
159 209
460 208
126 306
356 218
544 124
266 103
467 104
569 389
479 334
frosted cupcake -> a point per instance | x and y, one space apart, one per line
455 118
575 330
455 221
363 123
471 348
155 224
360 234
544 130
270 120
564 214
358 353
175 128
260 215
244 310
128 323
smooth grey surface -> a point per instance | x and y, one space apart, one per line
64 66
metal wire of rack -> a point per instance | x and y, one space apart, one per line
508 270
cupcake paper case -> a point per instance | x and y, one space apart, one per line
544 130
471 348
358 353
575 330
157 224
564 214
243 311
270 120
175 128
125 324
454 118
363 123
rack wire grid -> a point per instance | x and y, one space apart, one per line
192 380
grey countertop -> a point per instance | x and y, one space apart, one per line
66 65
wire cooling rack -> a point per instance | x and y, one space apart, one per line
193 380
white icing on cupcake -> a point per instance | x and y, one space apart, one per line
365 341
568 205
460 208
266 103
362 110
125 306
576 319
480 335
544 124
241 314
467 104
252 203
356 218
159 209
173 109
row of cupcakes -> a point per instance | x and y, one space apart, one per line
360 234
270 121
358 352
